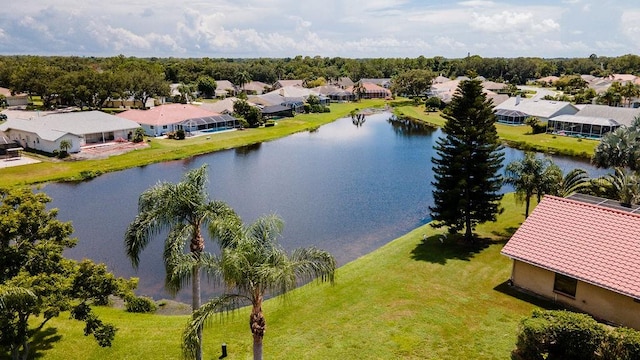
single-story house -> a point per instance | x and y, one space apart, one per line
255 88
14 99
225 88
581 252
172 117
593 120
335 93
384 82
516 110
45 133
224 106
273 111
284 83
372 91
342 82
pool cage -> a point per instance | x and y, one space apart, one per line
513 117
209 124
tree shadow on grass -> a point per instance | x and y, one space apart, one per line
505 234
527 296
42 341
439 248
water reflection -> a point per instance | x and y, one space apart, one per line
409 127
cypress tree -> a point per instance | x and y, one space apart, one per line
467 164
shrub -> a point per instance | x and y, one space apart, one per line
560 334
180 135
140 304
138 135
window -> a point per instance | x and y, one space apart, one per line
165 126
565 285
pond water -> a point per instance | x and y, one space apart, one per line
344 188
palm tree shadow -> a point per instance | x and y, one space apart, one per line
43 341
439 248
505 234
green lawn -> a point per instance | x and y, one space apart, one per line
517 136
165 150
410 299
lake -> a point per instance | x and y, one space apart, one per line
344 188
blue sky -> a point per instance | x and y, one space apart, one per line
346 28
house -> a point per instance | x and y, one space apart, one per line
283 83
592 120
372 91
14 99
255 88
342 82
384 82
335 93
224 106
516 110
581 252
225 88
172 117
45 133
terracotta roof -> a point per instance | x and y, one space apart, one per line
588 242
166 114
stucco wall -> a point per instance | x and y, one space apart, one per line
601 303
33 141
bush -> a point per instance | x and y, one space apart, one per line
140 304
560 334
138 135
180 135
622 344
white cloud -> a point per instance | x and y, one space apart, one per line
477 3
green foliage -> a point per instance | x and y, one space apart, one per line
412 83
553 334
89 174
138 135
467 182
619 148
34 270
206 86
433 104
180 134
140 304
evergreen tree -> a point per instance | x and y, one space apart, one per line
469 157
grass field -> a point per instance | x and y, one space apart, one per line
165 150
518 136
411 299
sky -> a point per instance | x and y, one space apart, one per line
327 28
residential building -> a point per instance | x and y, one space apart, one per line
516 110
581 252
46 133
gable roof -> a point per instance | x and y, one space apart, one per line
166 114
283 83
255 86
223 85
624 116
589 242
539 108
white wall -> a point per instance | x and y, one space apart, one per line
33 141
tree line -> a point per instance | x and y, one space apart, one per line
89 81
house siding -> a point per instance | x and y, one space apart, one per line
29 140
599 302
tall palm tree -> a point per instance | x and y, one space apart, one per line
532 176
619 148
254 265
183 209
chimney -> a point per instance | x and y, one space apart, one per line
517 99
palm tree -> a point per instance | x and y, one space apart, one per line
183 209
619 148
532 175
242 79
574 181
625 186
65 145
254 265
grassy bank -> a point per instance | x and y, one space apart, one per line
517 136
410 299
165 150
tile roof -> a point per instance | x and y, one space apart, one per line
592 243
166 114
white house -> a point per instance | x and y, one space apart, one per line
45 133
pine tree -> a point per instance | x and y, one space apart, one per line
469 157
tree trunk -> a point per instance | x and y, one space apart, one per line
258 327
526 207
195 304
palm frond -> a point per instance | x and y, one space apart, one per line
312 263
202 317
14 296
